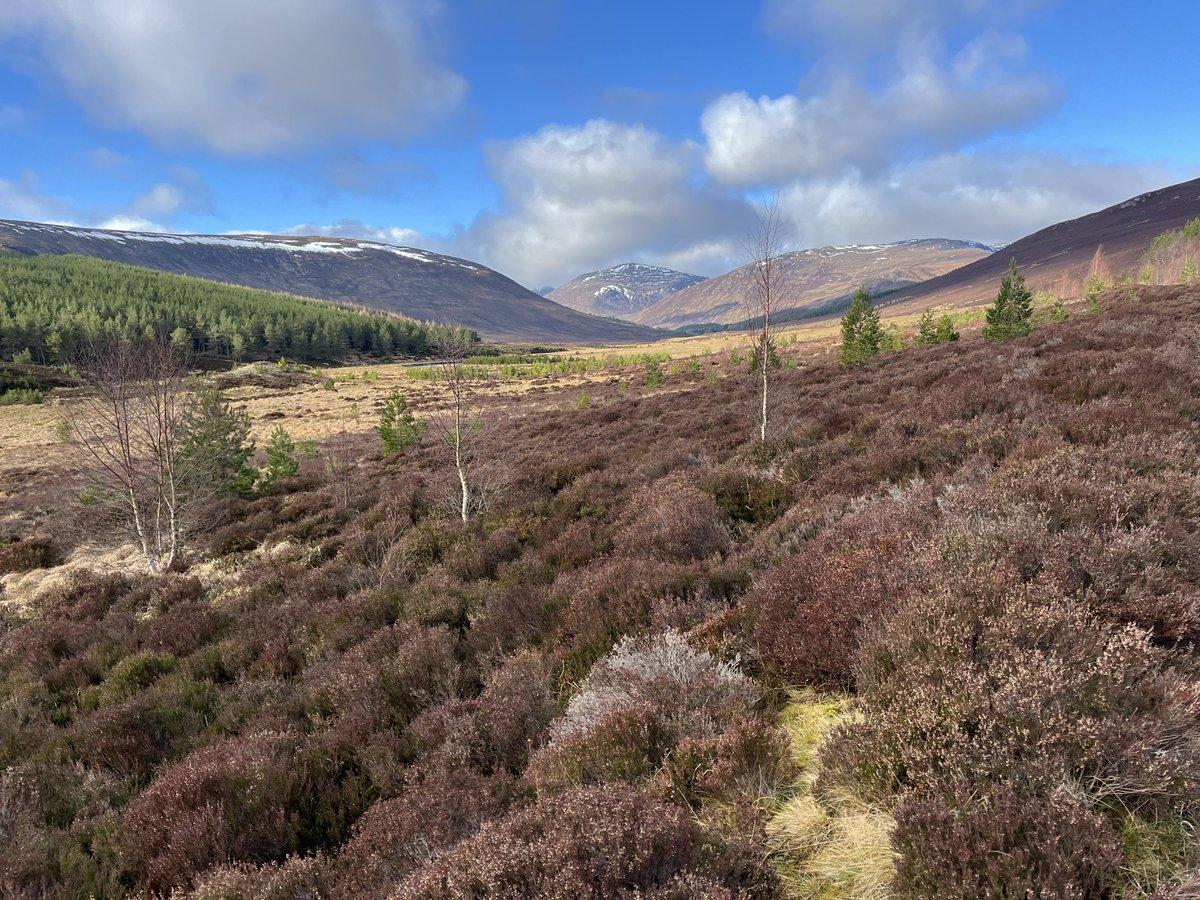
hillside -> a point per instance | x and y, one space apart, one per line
621 291
52 307
415 283
1062 257
861 659
811 279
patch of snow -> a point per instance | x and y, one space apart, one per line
245 242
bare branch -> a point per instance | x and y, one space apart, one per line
461 423
764 248
127 436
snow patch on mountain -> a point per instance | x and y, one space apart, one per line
251 241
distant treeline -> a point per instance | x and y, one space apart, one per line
53 307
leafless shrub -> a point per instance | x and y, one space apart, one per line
809 610
127 439
398 836
220 804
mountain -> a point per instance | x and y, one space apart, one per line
1061 258
53 307
811 279
416 283
623 290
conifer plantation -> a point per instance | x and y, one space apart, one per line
53 307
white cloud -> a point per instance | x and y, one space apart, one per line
351 228
896 130
131 223
580 197
993 197
152 210
23 199
246 76
929 104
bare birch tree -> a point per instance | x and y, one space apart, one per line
128 442
764 248
460 423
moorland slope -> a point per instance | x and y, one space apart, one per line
628 673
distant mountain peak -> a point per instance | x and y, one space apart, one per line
622 290
929 243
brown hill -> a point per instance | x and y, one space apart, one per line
811 279
416 283
621 291
1062 257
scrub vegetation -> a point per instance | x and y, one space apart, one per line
933 638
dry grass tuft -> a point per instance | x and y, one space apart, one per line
836 846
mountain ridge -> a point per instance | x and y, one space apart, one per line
622 290
813 278
416 283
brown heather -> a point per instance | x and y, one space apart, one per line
994 549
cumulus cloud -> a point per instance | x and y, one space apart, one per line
993 197
352 228
125 222
584 196
246 76
896 131
929 105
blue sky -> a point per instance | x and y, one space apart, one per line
550 137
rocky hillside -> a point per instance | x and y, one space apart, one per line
416 283
811 279
622 291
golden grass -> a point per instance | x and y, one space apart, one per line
22 591
28 443
835 847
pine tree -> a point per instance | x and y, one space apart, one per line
862 334
218 443
398 428
281 461
926 330
654 374
945 332
753 357
1011 313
